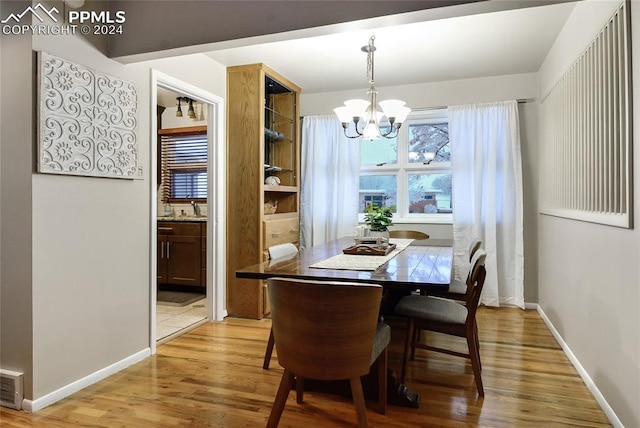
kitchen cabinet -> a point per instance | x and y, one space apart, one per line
263 158
203 258
180 253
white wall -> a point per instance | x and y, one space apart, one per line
429 95
16 144
449 93
90 254
86 241
589 282
169 119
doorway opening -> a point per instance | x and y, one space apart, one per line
186 196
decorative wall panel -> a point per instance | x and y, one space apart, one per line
586 133
87 121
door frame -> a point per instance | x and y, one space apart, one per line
216 168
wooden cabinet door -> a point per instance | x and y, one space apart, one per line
162 259
280 231
184 253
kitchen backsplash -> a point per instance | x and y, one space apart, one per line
178 208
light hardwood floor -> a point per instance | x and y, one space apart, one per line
213 377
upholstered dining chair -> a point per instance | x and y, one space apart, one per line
408 234
277 252
447 317
327 331
458 288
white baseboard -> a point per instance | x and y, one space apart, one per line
57 395
606 408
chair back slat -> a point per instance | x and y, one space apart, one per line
475 282
324 330
473 247
408 234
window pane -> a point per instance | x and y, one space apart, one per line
426 139
429 193
189 185
379 151
378 190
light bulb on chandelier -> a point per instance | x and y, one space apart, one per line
366 111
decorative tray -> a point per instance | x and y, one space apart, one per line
370 240
370 249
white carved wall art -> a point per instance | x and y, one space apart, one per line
87 121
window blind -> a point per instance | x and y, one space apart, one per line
183 163
586 133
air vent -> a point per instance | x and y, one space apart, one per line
11 392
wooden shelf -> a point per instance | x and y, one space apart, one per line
258 98
278 216
286 189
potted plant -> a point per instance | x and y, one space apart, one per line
379 218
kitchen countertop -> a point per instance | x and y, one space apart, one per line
182 218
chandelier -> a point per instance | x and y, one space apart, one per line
366 111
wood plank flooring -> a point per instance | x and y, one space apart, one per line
213 377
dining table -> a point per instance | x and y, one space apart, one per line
424 265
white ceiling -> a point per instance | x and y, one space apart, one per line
488 44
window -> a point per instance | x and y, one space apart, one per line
412 172
183 163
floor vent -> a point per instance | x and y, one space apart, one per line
11 392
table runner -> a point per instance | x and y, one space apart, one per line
362 262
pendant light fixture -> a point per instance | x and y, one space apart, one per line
366 111
179 111
191 113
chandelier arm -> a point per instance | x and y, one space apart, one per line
394 130
345 127
351 136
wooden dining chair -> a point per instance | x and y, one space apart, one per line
458 288
447 317
392 297
407 234
327 331
281 251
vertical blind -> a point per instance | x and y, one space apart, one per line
586 133
183 163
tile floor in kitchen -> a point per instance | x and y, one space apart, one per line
172 321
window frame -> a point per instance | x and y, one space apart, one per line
198 167
403 168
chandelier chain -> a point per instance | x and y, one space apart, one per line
370 49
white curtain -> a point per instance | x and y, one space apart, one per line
487 195
329 182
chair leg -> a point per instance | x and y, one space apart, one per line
407 341
475 333
381 373
269 351
358 401
299 389
281 399
414 340
474 355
